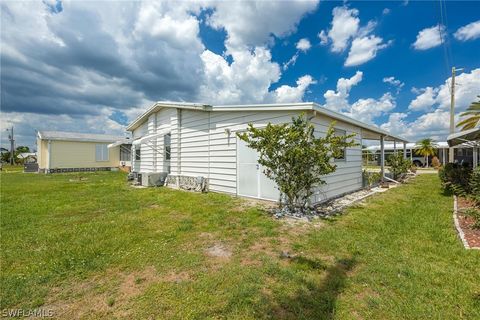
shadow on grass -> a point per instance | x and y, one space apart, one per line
315 300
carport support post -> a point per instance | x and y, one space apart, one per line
395 147
404 150
382 157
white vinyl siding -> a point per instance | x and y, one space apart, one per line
348 175
203 143
101 152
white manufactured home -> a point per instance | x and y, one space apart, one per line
195 142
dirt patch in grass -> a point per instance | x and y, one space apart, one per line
219 251
177 277
102 295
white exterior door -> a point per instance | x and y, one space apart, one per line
251 182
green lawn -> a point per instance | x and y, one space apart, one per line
97 248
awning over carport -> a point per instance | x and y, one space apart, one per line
119 143
468 137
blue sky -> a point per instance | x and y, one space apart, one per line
94 66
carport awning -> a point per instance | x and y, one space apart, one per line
149 137
119 143
469 137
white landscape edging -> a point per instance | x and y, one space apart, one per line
457 225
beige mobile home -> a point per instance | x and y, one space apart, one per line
197 144
72 151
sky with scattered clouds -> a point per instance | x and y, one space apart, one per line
93 66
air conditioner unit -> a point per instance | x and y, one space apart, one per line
153 179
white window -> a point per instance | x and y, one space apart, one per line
101 152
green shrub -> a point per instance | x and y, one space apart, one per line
398 165
475 185
455 178
475 214
371 178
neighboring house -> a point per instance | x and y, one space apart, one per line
71 151
188 141
462 153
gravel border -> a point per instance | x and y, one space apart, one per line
457 226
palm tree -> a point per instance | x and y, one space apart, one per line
473 114
426 147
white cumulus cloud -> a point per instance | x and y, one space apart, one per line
285 93
425 100
303 45
345 25
435 103
429 37
346 32
394 82
469 32
252 23
466 90
368 109
364 49
338 100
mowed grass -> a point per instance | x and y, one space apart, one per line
90 246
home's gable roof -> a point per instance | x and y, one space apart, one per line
77 136
302 106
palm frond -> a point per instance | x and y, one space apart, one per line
473 114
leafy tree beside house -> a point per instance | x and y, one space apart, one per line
426 147
295 159
472 115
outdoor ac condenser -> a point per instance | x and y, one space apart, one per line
153 179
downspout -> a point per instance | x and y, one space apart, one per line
179 145
155 155
209 163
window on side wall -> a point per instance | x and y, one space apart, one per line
101 152
137 153
341 133
167 146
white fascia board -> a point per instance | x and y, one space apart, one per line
264 107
